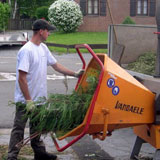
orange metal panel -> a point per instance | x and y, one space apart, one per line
150 133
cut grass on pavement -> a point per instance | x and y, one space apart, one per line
144 64
78 38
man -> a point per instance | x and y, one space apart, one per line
31 83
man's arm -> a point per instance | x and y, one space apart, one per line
23 84
60 68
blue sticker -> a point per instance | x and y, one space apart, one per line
115 90
110 83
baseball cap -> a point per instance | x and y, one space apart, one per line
42 24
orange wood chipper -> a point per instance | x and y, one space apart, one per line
119 101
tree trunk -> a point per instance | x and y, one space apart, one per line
15 9
9 1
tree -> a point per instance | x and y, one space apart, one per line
4 15
26 7
14 7
42 12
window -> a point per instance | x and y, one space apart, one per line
93 7
142 7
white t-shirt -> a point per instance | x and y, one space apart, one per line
34 60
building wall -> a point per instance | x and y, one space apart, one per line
120 9
94 24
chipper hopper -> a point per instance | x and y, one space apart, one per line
119 101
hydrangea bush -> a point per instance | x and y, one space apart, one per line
65 15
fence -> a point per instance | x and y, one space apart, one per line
20 24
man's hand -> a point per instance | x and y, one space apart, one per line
79 73
30 106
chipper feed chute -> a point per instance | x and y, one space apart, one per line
119 100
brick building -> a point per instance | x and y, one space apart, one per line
97 17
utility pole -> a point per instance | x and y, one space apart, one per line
157 68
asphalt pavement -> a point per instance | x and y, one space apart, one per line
117 147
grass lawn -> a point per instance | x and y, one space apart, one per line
78 38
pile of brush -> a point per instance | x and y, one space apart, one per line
61 113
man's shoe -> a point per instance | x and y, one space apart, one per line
45 156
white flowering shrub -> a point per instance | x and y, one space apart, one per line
65 15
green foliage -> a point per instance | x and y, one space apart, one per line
61 113
27 8
4 15
144 64
128 20
40 3
65 15
42 12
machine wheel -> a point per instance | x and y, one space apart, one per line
157 155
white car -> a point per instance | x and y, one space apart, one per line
13 38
